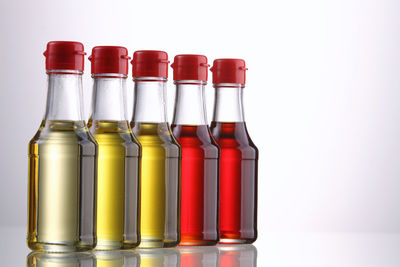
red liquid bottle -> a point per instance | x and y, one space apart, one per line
238 162
199 168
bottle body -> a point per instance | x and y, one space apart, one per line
238 168
160 167
118 185
118 168
62 173
199 168
238 183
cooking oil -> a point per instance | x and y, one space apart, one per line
160 185
118 183
61 187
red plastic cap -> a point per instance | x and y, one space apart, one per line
229 70
150 63
63 55
190 67
109 59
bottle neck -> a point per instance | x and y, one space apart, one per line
189 104
228 106
150 100
109 97
64 96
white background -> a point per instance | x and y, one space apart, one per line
321 101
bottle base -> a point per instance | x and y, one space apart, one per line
107 244
60 248
157 243
198 242
236 241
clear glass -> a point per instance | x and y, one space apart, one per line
160 166
118 168
190 106
228 105
199 171
238 167
62 172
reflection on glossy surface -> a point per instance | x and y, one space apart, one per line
42 259
167 257
237 256
211 256
125 258
199 256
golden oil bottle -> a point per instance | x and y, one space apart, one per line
62 159
160 165
118 152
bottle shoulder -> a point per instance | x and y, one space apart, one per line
196 139
156 137
63 134
233 137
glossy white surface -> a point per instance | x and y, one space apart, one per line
272 250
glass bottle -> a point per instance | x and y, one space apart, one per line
239 156
62 159
199 168
118 167
160 165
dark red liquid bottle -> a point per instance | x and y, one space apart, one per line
239 156
199 166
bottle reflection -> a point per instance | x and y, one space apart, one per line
118 258
237 256
162 257
199 256
220 256
42 259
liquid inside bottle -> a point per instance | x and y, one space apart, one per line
199 169
239 155
160 165
117 200
238 178
118 165
62 173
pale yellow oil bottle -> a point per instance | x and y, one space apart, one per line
117 185
61 187
160 185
